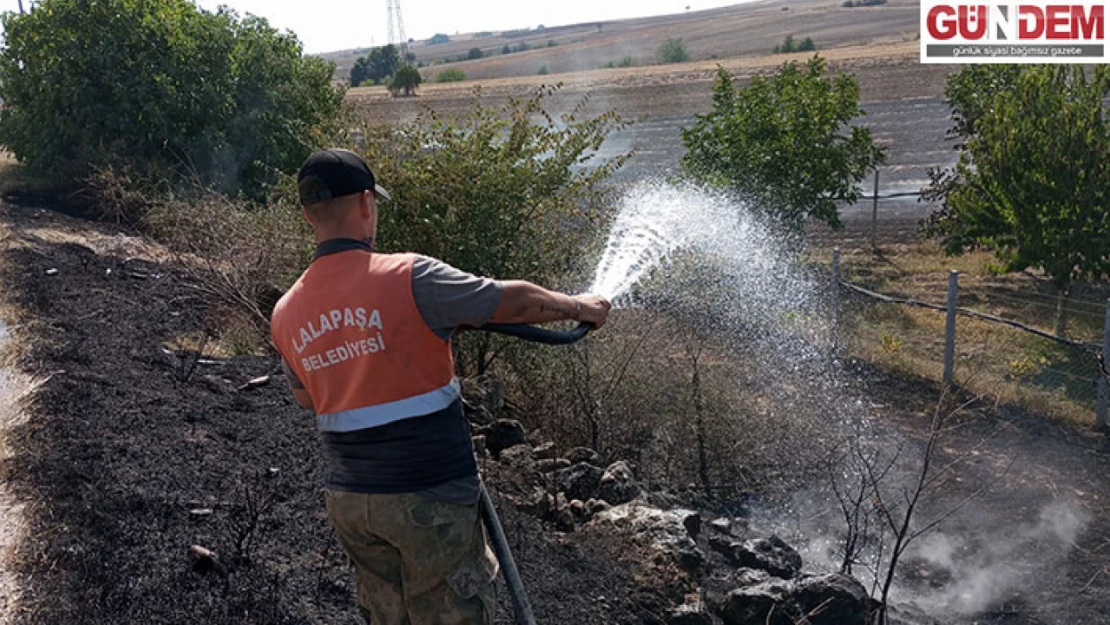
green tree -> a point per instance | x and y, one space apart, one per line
496 192
382 63
162 86
406 80
1032 183
360 71
672 50
474 54
438 38
784 142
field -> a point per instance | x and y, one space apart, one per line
739 31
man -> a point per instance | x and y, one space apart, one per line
365 338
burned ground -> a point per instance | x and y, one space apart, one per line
129 459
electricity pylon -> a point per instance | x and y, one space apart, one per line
397 27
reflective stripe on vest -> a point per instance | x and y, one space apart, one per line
351 332
382 414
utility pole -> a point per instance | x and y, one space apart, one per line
21 7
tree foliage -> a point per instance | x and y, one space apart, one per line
673 50
406 80
498 191
494 192
783 142
1032 183
438 38
376 66
159 85
474 54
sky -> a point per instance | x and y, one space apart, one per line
331 25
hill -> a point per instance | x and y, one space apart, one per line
730 32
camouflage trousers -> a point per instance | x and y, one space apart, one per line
417 562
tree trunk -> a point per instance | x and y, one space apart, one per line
1062 295
21 7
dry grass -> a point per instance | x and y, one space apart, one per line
1004 363
743 30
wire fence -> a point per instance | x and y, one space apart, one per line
1018 345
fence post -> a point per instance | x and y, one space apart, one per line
1103 383
950 327
834 292
875 214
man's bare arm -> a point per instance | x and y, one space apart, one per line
524 302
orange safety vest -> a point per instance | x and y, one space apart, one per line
352 333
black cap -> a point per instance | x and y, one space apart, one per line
334 173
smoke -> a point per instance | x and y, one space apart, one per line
996 564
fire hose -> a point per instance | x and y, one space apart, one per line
521 607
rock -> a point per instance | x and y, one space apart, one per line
693 524
690 613
595 507
539 504
477 414
722 525
584 454
564 520
545 451
749 577
758 605
503 434
770 554
663 531
480 446
618 484
579 510
205 561
517 456
833 599
579 481
200 513
550 466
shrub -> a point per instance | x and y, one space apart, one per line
672 50
506 49
543 70
474 54
493 175
168 86
625 62
438 38
788 45
785 142
451 75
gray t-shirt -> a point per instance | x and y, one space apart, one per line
447 299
